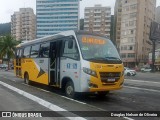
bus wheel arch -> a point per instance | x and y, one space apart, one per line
26 78
68 87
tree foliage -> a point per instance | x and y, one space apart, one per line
7 46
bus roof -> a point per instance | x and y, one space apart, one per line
58 35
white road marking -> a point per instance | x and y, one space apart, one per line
40 101
128 118
151 90
142 81
73 100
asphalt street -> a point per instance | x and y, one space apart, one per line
140 93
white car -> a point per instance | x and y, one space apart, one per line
129 72
3 66
146 69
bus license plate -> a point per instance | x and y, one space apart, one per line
111 79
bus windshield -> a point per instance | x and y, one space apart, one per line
95 48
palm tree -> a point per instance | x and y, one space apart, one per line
7 47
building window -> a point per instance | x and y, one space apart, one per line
123 55
130 47
131 55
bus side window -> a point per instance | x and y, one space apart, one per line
35 51
17 53
26 53
44 50
70 49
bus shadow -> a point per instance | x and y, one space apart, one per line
83 97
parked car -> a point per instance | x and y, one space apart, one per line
146 69
129 72
3 66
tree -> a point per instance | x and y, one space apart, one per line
7 47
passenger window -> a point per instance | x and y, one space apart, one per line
34 51
17 53
26 52
44 50
20 53
70 49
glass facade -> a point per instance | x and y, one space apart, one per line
54 16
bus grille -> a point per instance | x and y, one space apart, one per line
110 77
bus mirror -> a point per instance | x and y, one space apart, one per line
70 44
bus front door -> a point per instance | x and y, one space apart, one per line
54 63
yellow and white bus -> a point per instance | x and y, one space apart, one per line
76 61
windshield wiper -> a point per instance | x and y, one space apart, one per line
96 58
113 58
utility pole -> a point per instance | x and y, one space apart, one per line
153 56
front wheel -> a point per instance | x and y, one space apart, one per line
26 79
69 89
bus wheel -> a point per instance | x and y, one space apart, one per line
69 90
102 94
26 79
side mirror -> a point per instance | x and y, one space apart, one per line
70 44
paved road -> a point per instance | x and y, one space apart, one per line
11 101
138 94
147 76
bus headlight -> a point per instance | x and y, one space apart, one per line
90 72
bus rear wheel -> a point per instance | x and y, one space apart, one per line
26 79
69 89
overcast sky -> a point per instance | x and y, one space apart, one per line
7 7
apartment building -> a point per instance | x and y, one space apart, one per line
98 19
23 24
158 14
136 17
117 23
54 16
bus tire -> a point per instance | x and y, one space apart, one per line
69 89
26 79
102 94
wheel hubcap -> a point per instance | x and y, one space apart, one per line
69 90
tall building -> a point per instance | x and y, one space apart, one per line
98 19
117 23
54 16
23 24
158 21
112 29
136 17
81 24
158 14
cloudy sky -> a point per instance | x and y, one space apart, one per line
7 7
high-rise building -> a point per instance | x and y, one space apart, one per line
112 29
23 24
81 24
158 14
158 21
98 19
117 23
136 17
54 16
